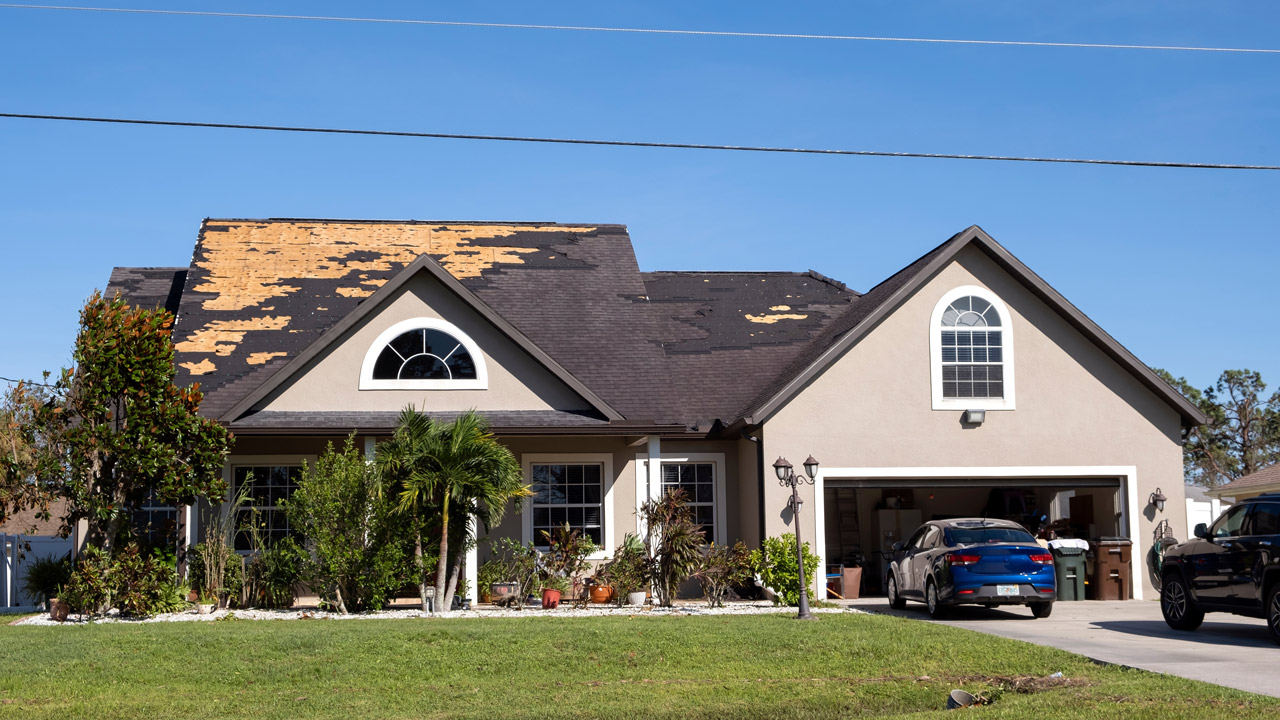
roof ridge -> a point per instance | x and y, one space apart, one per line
374 221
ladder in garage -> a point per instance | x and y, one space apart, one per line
844 516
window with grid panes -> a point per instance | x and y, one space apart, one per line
698 480
972 350
155 522
570 493
268 486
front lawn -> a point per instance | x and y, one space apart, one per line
759 666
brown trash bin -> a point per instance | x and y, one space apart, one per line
1110 579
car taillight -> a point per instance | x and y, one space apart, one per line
962 559
1042 558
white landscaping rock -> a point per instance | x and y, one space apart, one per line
564 611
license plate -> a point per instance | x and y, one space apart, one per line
1006 589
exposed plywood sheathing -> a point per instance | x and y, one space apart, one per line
781 308
260 358
204 367
771 319
248 263
221 337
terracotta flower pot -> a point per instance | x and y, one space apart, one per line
193 597
601 593
550 598
58 610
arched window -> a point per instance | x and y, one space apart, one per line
972 352
423 353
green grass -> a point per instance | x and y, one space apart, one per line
764 666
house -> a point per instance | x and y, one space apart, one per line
1266 480
962 385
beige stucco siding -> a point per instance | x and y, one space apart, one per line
1075 406
515 380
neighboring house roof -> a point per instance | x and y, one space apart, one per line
1265 480
658 349
883 299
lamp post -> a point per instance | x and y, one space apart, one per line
787 477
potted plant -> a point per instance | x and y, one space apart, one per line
59 609
488 575
206 603
552 589
566 556
628 572
601 590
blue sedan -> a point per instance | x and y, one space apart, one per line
976 561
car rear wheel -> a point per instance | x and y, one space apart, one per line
895 600
1041 610
937 610
1273 611
1180 611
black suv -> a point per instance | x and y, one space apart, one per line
1232 566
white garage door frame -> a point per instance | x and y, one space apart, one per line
1127 474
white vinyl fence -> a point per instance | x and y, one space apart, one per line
16 558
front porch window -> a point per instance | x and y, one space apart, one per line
268 486
571 493
698 481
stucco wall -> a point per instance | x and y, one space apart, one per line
1075 407
516 380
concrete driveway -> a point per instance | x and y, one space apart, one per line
1227 650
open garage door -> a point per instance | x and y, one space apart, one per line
864 516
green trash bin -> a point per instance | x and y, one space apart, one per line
1068 566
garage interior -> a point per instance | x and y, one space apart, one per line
864 517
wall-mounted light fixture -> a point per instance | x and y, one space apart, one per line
1158 499
973 417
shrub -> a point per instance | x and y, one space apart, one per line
134 582
356 539
629 571
675 543
273 573
723 566
227 579
520 566
775 563
89 589
44 576
566 557
487 574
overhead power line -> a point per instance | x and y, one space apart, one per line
653 31
634 143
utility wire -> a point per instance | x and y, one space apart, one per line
653 31
27 382
635 143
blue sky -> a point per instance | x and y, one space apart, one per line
1178 265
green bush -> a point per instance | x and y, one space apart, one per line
723 566
630 569
44 576
775 563
228 586
358 543
487 574
273 574
135 582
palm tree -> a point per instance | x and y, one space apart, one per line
456 468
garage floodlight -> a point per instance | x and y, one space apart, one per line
973 417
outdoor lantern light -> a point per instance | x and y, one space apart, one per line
782 468
787 477
973 417
1158 499
811 468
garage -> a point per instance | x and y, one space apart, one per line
862 514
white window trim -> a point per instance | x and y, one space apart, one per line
720 504
528 460
935 353
481 381
1127 502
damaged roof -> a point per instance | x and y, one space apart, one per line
654 349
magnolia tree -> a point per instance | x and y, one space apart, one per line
113 430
